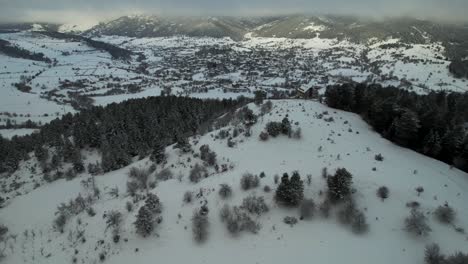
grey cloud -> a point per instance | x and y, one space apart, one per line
73 11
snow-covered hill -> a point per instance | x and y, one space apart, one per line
330 139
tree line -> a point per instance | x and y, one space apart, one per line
434 124
120 131
17 52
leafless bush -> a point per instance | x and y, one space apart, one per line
225 191
200 225
164 175
416 223
188 197
307 209
289 220
255 205
197 173
249 181
140 176
445 214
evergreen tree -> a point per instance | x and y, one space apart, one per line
290 192
158 154
406 127
285 126
339 185
432 144
152 203
144 223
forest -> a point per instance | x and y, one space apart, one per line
434 124
114 51
16 52
120 131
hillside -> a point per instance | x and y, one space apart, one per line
329 139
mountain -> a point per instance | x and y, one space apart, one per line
155 26
355 29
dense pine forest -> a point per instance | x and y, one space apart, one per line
433 124
119 131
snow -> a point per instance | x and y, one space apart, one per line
319 239
9 133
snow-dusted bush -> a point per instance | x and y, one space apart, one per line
347 213
263 136
225 191
254 205
379 157
266 189
197 173
236 220
153 204
200 225
129 206
164 175
144 223
266 107
290 192
114 221
325 208
382 192
359 224
416 223
273 128
307 209
140 176
296 134
59 222
419 190
339 185
207 155
432 255
188 197
445 214
249 181
290 220
132 187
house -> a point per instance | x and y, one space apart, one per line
308 93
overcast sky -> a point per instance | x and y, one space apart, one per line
91 11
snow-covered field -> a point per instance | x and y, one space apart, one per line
201 67
345 142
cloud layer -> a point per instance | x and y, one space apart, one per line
78 11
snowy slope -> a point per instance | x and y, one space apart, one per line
347 142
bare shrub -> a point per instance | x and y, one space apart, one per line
307 209
188 197
432 255
290 220
237 221
382 192
197 173
416 223
140 175
445 214
254 205
164 175
225 191
200 225
249 181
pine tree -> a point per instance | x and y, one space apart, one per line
406 127
153 204
158 154
145 221
290 192
339 185
285 126
432 144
